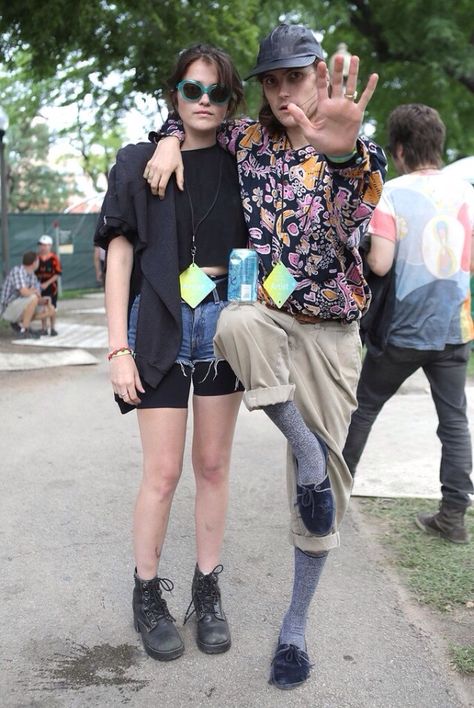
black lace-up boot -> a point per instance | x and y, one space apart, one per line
448 523
213 634
152 619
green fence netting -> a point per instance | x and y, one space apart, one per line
72 236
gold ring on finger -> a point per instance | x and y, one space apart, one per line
351 96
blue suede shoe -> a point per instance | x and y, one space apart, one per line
290 667
316 502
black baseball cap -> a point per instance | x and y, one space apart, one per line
286 47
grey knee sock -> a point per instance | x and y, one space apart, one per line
308 570
305 446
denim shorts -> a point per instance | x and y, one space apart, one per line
196 362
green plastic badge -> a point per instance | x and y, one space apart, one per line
279 284
194 285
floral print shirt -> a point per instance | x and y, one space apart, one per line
306 212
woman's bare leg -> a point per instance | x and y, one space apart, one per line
163 433
214 424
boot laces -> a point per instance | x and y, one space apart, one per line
205 594
156 607
293 655
308 498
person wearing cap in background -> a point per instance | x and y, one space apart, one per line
21 301
48 273
309 185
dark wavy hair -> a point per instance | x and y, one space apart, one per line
420 131
226 72
265 115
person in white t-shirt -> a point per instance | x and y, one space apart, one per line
422 230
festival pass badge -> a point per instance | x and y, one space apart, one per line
194 285
279 284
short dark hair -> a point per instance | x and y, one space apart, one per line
420 131
226 72
29 258
265 115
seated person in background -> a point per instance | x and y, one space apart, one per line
99 265
48 273
21 300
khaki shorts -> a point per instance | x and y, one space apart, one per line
15 309
318 365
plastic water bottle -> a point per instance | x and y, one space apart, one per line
243 275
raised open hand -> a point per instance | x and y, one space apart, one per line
334 127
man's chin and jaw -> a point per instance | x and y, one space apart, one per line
283 115
291 126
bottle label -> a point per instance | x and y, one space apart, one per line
243 274
245 291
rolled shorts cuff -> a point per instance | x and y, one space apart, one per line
260 397
315 544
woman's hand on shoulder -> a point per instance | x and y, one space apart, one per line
125 379
334 128
166 160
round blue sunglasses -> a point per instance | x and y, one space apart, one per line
193 91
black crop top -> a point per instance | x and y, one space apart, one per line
224 228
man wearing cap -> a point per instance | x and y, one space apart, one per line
309 184
48 273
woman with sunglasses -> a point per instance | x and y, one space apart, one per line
309 185
166 286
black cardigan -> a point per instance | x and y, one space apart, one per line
149 223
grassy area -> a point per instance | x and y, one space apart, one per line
470 366
462 659
439 573
72 294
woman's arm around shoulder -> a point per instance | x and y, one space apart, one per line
167 159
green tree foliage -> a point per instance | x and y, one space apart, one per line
33 184
138 41
423 52
102 56
95 136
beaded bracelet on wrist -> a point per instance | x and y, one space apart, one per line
123 351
